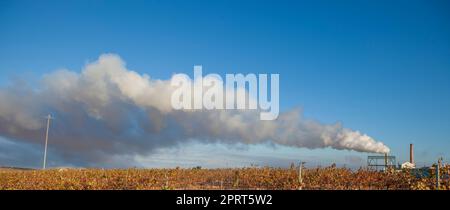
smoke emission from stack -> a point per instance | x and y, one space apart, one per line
109 110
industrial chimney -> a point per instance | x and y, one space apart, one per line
411 153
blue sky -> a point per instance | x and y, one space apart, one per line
381 67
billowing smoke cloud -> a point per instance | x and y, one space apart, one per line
108 110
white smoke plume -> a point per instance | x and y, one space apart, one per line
109 110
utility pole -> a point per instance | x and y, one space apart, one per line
49 117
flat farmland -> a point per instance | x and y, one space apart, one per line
233 178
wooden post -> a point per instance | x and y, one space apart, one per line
236 179
385 162
300 178
438 181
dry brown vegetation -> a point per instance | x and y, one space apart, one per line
244 178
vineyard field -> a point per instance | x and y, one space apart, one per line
327 178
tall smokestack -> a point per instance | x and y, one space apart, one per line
411 153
